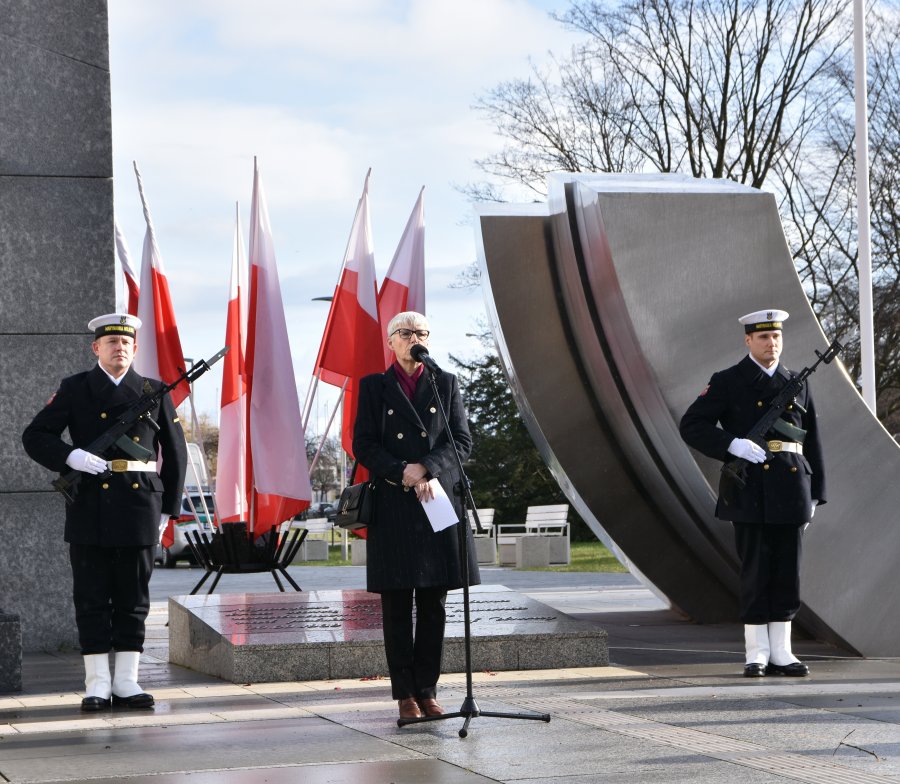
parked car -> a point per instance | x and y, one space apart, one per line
319 509
179 550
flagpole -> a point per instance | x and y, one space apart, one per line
327 429
864 261
310 395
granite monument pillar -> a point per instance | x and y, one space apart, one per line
56 273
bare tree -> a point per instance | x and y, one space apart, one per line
325 477
715 88
820 200
756 91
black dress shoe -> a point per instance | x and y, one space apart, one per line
91 704
793 670
134 702
754 670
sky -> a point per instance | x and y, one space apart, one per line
319 91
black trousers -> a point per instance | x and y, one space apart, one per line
414 658
770 571
111 590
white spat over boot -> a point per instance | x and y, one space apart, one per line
756 645
97 682
782 660
125 689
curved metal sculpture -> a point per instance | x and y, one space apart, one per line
611 310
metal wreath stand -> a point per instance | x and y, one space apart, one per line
469 709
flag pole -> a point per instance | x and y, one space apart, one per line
864 244
327 428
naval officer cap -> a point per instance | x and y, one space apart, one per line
764 320
114 324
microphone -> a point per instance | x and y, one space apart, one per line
420 354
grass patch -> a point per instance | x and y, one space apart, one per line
587 557
334 558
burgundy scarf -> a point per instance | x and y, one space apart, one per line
407 382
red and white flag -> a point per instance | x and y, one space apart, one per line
352 343
403 288
277 459
131 279
231 470
159 353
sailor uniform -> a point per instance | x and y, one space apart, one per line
113 525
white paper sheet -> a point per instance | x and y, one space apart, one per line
439 509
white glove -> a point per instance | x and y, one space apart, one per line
85 461
163 520
747 450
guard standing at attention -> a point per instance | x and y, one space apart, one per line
112 527
770 511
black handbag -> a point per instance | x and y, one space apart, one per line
356 506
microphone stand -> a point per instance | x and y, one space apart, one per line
469 709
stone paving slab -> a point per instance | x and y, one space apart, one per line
672 709
119 753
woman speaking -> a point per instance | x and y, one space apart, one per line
399 437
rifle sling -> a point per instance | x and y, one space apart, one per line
789 431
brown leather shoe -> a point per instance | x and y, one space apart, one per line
431 707
409 709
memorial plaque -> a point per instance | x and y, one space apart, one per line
337 634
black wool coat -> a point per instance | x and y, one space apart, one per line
779 491
123 509
402 549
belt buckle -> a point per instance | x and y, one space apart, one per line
118 466
775 446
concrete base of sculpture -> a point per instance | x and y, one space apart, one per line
322 635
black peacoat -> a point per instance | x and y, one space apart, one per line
402 550
123 509
781 489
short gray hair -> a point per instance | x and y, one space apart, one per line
408 318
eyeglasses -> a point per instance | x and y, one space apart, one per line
406 334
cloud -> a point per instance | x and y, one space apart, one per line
319 91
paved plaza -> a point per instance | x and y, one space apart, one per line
672 707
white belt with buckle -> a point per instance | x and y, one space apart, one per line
785 446
120 466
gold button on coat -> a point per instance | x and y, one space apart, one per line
766 467
134 485
433 410
759 404
136 438
105 486
102 415
793 469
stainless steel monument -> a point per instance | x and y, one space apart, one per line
611 307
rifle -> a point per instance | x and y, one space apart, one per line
734 471
67 483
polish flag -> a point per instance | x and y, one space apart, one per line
159 352
352 343
277 456
403 288
231 471
131 278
